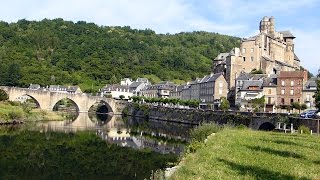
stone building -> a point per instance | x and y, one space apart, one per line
308 92
212 88
290 86
270 93
269 51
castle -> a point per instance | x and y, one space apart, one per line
270 52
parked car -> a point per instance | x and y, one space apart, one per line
309 114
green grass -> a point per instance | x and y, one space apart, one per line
247 154
9 112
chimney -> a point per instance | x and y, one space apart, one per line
305 76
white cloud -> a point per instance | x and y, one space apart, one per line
162 16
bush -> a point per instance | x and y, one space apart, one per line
15 115
14 103
194 146
201 132
241 126
304 129
3 95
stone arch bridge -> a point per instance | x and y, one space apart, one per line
47 99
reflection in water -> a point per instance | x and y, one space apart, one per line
136 133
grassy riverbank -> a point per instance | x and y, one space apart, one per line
10 111
247 154
35 155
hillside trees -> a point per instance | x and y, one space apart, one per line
83 53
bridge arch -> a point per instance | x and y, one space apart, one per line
266 126
105 103
61 99
30 96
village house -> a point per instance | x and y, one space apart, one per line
126 82
308 92
159 90
176 93
34 87
290 85
212 88
116 91
270 93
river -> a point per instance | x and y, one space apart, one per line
152 143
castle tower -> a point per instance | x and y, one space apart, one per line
271 27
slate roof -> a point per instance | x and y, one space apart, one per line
113 87
214 77
196 81
269 82
243 76
73 88
253 38
287 34
221 56
250 83
145 80
257 76
135 84
34 86
311 83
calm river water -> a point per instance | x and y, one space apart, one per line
131 132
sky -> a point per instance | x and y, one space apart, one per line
231 17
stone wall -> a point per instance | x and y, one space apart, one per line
199 116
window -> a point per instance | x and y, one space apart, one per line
292 83
244 58
251 50
252 58
282 100
291 91
282 83
269 91
220 84
291 101
220 91
282 91
244 50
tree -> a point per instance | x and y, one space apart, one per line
296 105
113 80
3 95
13 75
121 96
224 103
317 94
258 103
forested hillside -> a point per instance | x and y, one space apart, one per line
64 52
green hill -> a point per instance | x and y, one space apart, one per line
64 52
